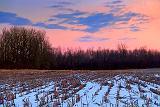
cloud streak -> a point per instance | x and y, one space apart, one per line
13 19
92 39
97 21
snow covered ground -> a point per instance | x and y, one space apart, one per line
118 91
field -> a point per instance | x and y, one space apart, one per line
108 88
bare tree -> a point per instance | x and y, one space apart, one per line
24 48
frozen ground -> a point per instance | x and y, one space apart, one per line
84 89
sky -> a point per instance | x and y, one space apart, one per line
88 23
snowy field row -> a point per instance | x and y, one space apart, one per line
80 89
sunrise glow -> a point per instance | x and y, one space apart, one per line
88 23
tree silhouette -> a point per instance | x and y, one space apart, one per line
24 48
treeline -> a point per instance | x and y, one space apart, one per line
28 48
106 59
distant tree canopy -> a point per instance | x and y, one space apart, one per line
24 48
106 59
